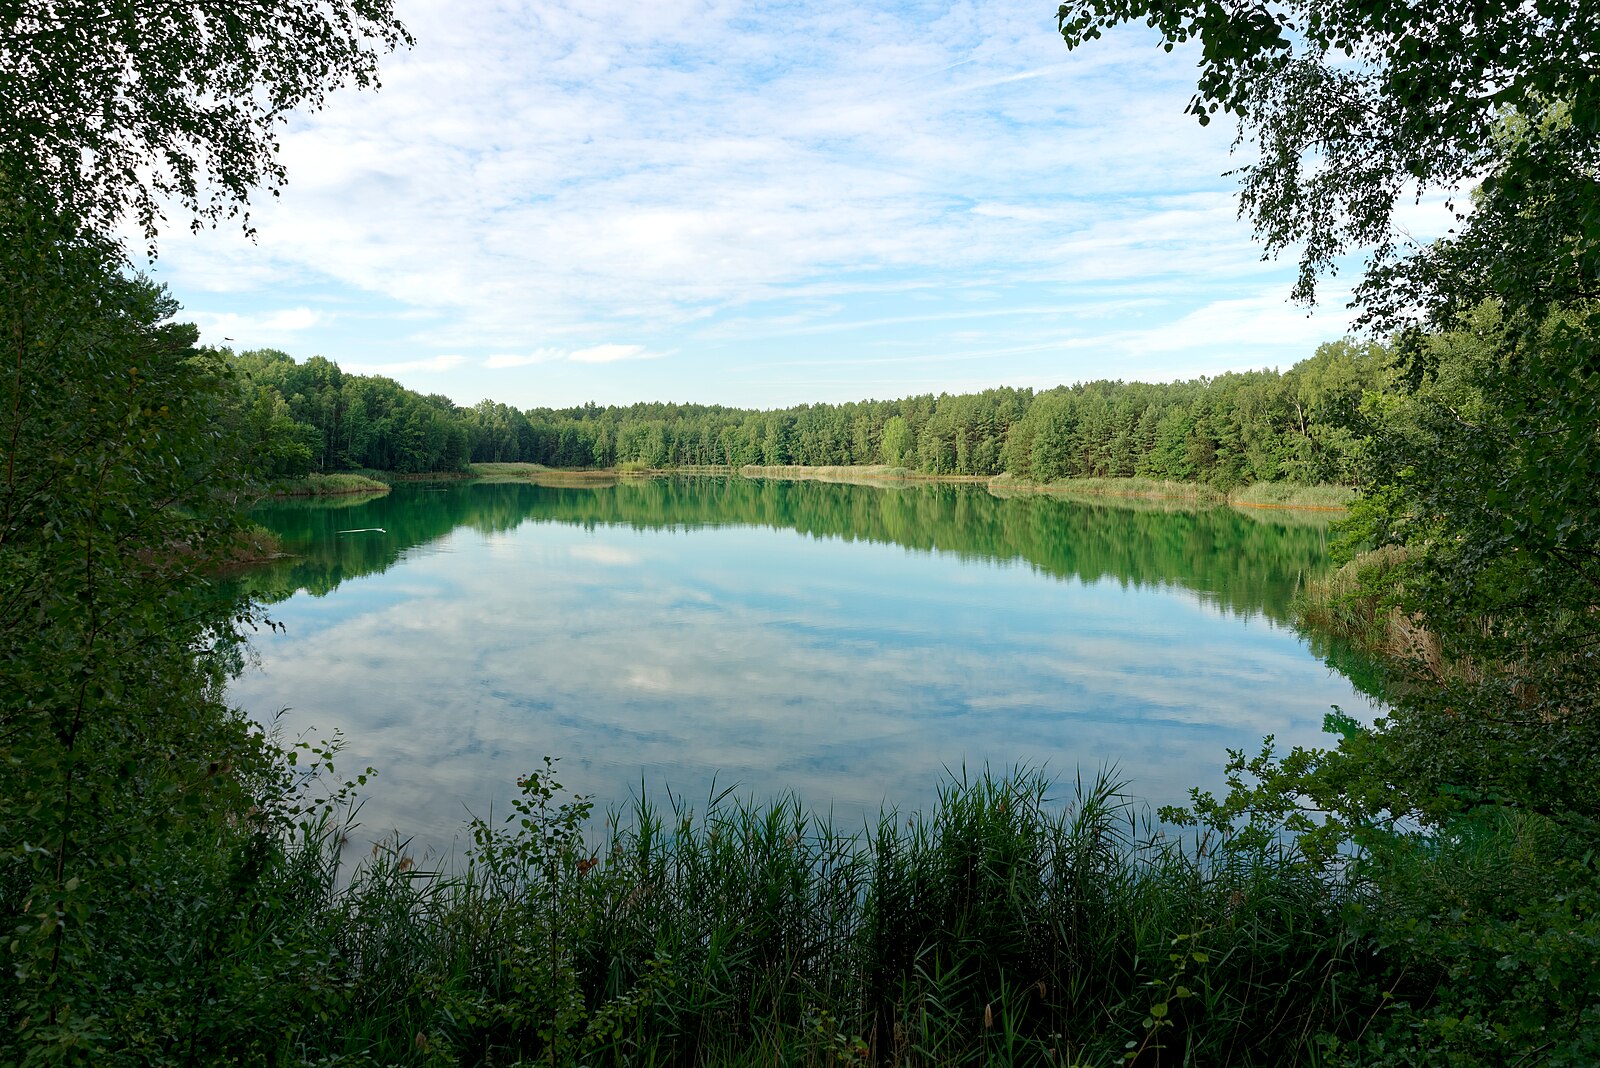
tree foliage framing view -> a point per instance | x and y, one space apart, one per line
139 815
1352 105
112 110
1443 905
1481 483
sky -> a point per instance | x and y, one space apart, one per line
756 204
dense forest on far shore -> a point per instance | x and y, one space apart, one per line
1301 425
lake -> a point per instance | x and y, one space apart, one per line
845 643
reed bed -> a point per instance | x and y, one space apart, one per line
318 484
1160 489
506 472
1358 603
856 473
1293 495
1005 926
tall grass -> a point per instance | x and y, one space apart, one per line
253 544
505 472
1002 926
317 484
1293 495
1362 603
1164 489
1358 603
1260 494
862 473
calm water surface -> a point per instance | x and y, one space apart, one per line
845 643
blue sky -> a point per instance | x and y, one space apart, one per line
757 204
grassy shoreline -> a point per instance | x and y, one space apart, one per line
336 484
1291 495
1005 925
864 473
1269 495
1010 923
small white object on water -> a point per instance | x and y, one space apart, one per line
365 530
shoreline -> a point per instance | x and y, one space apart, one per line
337 484
1318 498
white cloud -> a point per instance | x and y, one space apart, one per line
592 354
431 365
1262 319
232 324
612 353
280 328
509 359
698 181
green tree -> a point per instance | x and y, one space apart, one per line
283 448
1482 475
123 467
138 814
115 109
1349 106
896 441
1052 456
1325 439
1484 466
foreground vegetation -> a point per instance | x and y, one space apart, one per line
1425 892
1005 925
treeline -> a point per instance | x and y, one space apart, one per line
1303 425
312 416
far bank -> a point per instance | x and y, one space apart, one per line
1292 495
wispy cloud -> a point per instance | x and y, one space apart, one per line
612 353
431 365
228 327
530 178
524 359
592 354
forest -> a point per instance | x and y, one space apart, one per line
1422 891
1304 425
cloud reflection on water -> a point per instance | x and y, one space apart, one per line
851 673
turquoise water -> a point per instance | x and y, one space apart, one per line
844 643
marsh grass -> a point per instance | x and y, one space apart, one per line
1158 489
1363 603
253 544
1293 495
1004 925
326 485
863 474
1359 603
1288 495
1009 924
506 472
